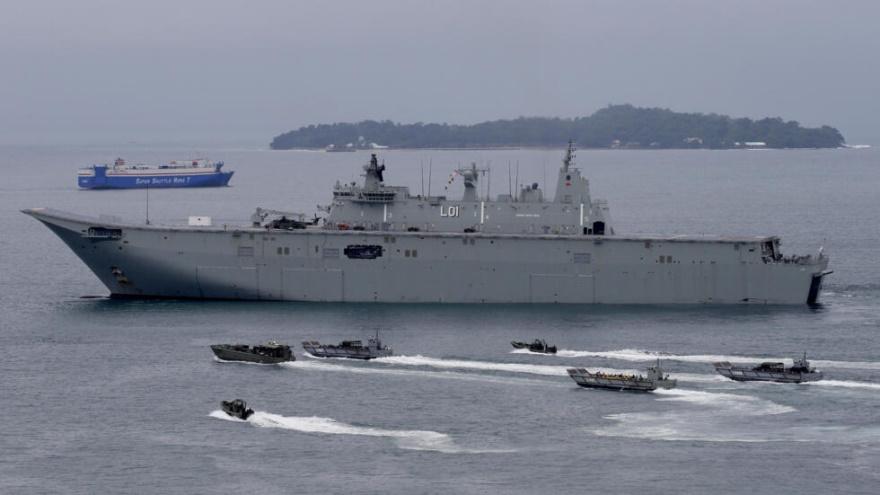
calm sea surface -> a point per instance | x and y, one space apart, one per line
107 396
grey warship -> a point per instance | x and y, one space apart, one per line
799 372
612 381
350 349
269 353
380 243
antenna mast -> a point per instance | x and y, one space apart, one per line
517 179
489 181
544 174
569 156
509 186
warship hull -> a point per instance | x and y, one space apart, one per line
255 263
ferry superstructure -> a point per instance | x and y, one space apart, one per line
187 173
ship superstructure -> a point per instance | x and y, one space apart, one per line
380 243
375 206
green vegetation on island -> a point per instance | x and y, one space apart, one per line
616 126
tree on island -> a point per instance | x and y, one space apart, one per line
614 126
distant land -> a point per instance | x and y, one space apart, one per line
615 126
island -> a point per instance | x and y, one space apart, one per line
615 126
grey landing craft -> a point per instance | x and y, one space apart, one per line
800 371
270 353
381 243
655 379
350 349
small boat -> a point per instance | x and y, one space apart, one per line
351 349
799 372
618 381
188 173
538 345
236 408
269 353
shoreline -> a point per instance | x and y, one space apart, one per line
562 147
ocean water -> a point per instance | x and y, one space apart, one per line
106 396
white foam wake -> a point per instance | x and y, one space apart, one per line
405 439
857 365
708 416
740 404
450 375
526 351
847 384
641 355
534 369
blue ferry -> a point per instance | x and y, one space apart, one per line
189 173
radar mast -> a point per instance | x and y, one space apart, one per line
569 156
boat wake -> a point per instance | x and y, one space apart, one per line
640 355
460 369
741 404
847 384
405 439
526 351
321 365
710 417
461 364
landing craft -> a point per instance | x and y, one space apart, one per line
269 353
655 379
379 243
799 372
349 349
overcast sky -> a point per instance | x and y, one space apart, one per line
91 71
